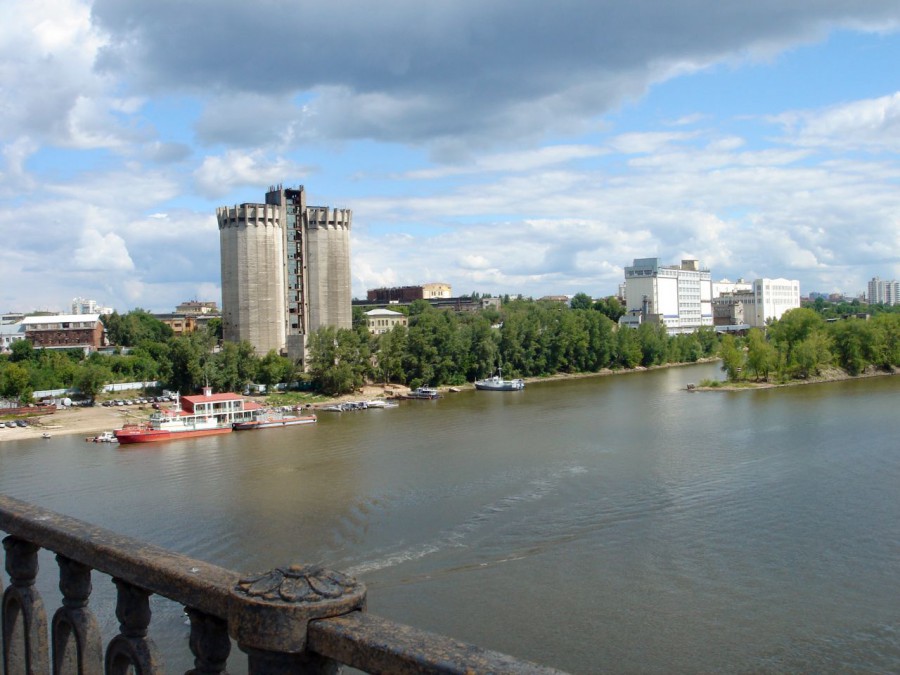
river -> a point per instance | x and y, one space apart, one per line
616 524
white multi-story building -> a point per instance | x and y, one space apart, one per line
773 298
86 306
884 292
766 300
676 296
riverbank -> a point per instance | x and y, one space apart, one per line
832 374
92 421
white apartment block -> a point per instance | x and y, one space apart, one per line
883 292
87 306
676 296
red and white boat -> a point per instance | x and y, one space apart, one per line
205 415
268 419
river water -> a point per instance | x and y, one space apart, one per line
617 524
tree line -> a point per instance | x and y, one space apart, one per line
526 338
803 343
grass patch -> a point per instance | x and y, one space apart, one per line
295 398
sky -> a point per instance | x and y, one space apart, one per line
501 146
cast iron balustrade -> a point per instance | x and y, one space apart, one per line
289 620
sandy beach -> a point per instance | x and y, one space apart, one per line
85 421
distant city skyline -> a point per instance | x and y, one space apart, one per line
511 148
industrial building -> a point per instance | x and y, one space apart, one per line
678 297
766 301
285 271
406 294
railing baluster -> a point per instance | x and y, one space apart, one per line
131 648
74 631
295 619
24 619
209 643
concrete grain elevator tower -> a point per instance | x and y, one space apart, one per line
308 268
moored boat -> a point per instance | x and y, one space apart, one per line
268 419
381 404
423 393
497 383
205 415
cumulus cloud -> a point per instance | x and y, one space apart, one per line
871 124
441 71
47 52
471 140
220 174
102 252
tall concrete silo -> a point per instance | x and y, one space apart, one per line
328 244
253 284
285 271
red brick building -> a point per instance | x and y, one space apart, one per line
65 331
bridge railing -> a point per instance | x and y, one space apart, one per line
297 619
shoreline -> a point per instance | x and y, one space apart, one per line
833 374
90 422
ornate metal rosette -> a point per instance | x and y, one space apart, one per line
271 611
307 583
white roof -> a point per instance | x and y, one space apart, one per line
61 318
383 312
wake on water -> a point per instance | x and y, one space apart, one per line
462 534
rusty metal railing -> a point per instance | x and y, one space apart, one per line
297 619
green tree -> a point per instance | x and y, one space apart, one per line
337 360
610 307
134 327
888 326
761 355
188 360
654 343
274 369
848 346
91 380
22 350
628 348
15 382
809 355
732 358
214 328
390 349
791 329
581 301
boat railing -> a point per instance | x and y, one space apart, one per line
294 619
